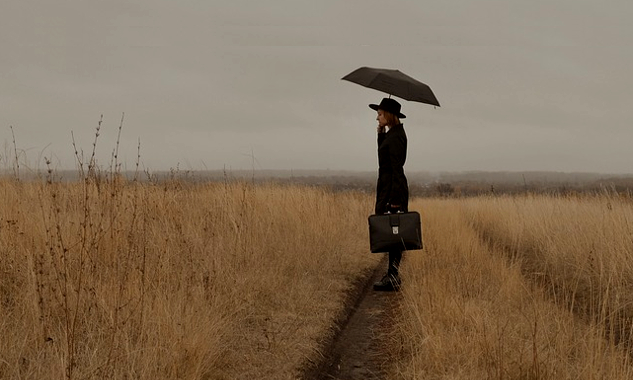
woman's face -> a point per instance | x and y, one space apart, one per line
382 121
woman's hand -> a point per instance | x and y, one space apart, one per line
394 208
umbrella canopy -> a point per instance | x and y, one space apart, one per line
393 82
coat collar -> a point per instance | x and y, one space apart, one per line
395 127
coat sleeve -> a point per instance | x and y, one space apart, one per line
397 158
381 137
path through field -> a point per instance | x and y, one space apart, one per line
356 352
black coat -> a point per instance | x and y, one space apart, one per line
392 187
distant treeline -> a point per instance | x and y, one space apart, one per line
477 188
421 184
424 184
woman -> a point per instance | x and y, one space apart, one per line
392 190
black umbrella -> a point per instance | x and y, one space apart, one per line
393 82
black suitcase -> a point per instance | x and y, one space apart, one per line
390 232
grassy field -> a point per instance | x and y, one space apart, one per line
107 279
125 280
529 287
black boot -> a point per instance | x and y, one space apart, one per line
394 262
389 283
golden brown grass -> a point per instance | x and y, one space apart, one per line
112 279
108 279
518 288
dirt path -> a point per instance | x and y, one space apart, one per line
356 352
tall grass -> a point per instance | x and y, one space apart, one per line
108 278
530 288
105 278
580 249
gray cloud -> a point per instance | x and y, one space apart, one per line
542 85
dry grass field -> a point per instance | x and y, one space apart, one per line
531 287
126 280
108 279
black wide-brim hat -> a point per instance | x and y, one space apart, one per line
389 105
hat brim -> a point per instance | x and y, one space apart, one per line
376 107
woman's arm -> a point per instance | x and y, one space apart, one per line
397 158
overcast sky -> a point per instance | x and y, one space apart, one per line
524 85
